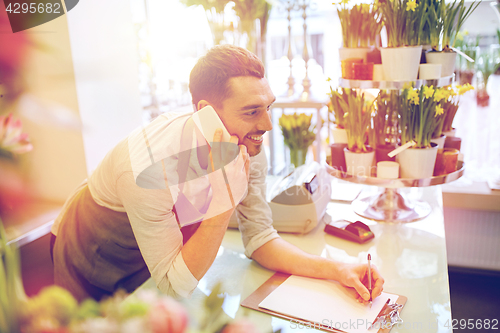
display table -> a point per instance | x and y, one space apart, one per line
411 257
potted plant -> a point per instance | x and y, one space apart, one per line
248 13
470 47
381 135
418 109
450 106
404 21
214 11
298 135
451 18
338 107
361 26
359 156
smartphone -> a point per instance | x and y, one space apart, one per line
208 121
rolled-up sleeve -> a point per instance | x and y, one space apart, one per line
158 236
253 213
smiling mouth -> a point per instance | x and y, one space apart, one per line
257 139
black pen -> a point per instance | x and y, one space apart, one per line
370 278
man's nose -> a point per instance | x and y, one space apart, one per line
265 123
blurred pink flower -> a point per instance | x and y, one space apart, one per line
11 137
240 326
14 45
168 316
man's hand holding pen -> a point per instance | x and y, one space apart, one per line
356 276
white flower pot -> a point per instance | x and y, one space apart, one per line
353 52
446 59
339 134
359 164
417 163
378 73
401 63
429 71
439 141
450 133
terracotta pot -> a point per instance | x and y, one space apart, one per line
359 164
417 163
338 156
363 71
374 56
347 66
354 52
453 142
382 151
482 98
446 161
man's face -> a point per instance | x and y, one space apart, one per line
246 112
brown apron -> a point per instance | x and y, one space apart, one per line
96 252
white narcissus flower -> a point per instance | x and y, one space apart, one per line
11 137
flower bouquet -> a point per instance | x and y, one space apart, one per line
55 310
358 155
298 134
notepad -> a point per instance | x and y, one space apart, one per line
325 304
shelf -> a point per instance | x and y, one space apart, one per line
399 182
367 84
391 205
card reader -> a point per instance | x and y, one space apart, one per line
354 232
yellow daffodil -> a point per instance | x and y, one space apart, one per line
440 95
344 2
413 96
465 88
407 86
411 5
428 91
439 111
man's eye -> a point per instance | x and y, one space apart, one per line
251 113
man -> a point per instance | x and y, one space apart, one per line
160 202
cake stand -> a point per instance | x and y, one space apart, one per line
390 205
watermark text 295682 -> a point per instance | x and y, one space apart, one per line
33 7
26 14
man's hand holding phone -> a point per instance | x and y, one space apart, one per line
234 162
225 155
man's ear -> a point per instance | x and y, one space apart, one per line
201 104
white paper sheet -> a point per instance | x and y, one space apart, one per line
324 303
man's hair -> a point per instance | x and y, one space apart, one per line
209 78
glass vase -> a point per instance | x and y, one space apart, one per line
298 156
